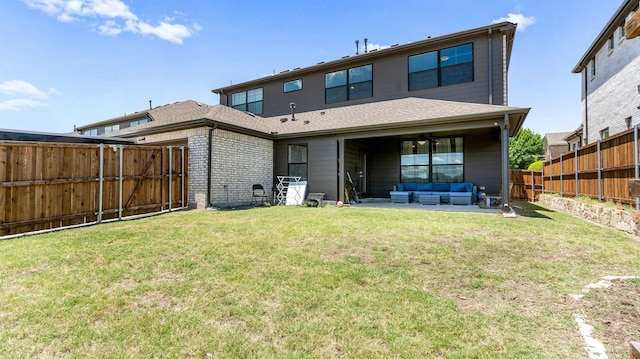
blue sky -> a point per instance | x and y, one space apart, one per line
74 62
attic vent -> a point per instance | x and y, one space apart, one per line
306 122
321 62
394 45
373 50
297 68
346 56
322 112
284 119
284 71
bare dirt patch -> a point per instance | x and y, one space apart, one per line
614 312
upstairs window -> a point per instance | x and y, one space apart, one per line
109 129
90 132
351 84
611 43
249 101
443 67
456 65
291 86
141 121
593 67
604 133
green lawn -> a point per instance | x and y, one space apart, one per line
295 282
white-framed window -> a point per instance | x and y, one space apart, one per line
604 133
611 43
90 132
139 121
109 129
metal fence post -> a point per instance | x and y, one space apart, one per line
182 178
635 156
551 176
170 179
599 173
561 173
576 174
120 184
100 182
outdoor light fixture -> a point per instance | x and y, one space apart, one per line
422 139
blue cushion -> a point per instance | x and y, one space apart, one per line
424 187
441 187
410 186
458 187
400 187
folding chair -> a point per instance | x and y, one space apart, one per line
258 195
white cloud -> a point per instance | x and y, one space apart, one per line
522 21
110 28
19 87
29 96
166 31
21 104
116 11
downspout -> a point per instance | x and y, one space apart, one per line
505 79
490 42
586 108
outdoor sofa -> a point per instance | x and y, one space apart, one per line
434 193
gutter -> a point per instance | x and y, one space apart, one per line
603 36
503 26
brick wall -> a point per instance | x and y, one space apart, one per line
238 161
613 94
198 162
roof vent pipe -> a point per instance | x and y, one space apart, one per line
357 45
150 108
365 45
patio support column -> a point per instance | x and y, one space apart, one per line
340 169
505 165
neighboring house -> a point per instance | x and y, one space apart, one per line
555 144
574 139
432 111
610 71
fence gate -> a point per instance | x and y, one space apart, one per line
51 185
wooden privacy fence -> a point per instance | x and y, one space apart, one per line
50 185
525 185
601 170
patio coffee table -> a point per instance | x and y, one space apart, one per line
429 199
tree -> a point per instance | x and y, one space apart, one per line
524 149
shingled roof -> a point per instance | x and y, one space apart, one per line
392 114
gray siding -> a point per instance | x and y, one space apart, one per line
322 163
482 160
390 81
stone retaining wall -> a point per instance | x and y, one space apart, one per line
624 220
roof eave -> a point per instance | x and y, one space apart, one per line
516 119
604 35
506 26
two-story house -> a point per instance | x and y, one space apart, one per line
433 110
610 77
